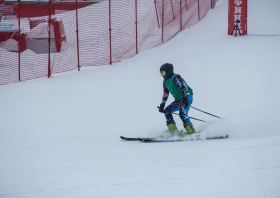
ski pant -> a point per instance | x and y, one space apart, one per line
183 111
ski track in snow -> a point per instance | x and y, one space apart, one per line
59 137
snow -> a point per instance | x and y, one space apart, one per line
9 45
60 136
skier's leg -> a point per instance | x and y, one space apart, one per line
183 112
174 106
184 116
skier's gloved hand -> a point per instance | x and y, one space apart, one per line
186 101
161 108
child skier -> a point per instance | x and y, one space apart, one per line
183 95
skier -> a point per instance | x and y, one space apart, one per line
183 95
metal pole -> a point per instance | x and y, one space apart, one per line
189 117
157 14
198 10
180 15
228 16
192 118
246 24
49 62
77 31
110 32
162 20
172 10
136 26
19 40
205 112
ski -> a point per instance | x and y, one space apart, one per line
147 140
217 137
129 139
171 139
161 140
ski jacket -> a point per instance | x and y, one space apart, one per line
177 86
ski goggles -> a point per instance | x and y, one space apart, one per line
163 73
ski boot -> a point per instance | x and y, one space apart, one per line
190 130
172 129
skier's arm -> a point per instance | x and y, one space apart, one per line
165 94
178 81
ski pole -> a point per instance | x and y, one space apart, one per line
190 117
205 112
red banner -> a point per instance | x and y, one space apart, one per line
237 17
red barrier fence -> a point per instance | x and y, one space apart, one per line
40 40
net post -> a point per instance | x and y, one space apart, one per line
136 31
49 41
19 40
110 32
180 15
162 20
172 9
156 13
77 31
198 10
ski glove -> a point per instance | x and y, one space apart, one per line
161 108
186 101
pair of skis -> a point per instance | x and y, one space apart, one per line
177 139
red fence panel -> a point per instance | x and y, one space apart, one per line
94 37
40 40
204 7
9 39
123 29
171 19
190 13
149 24
64 25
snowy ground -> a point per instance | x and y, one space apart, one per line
59 137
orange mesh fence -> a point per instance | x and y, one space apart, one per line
40 40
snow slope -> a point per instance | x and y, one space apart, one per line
60 136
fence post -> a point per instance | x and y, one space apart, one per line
180 15
172 10
110 32
211 4
77 31
49 61
198 10
157 14
19 40
136 26
228 16
162 20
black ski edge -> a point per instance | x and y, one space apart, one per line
150 140
129 139
217 137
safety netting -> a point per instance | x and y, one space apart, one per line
41 40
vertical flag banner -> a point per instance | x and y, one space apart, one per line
237 15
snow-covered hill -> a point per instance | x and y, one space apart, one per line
59 137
